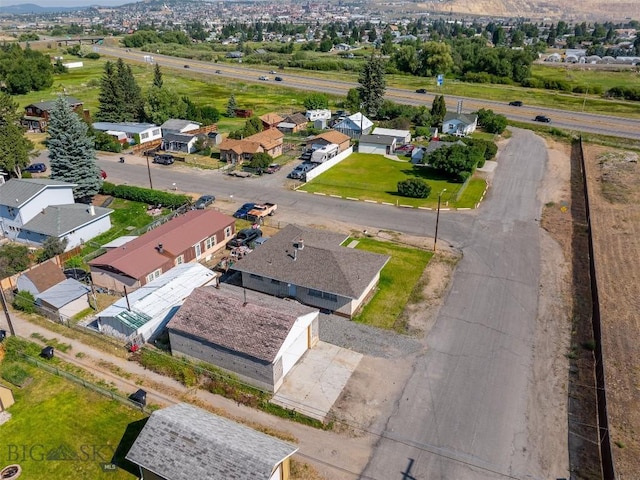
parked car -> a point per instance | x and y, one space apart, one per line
273 168
300 171
163 159
244 238
516 103
263 77
36 168
204 201
542 118
421 90
244 210
278 79
405 148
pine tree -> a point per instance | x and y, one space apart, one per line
438 110
132 100
232 106
15 148
372 86
157 77
111 101
71 152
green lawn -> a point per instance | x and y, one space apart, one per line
78 428
398 279
375 177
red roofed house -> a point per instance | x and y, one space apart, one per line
236 151
270 120
190 237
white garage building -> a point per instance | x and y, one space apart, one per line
257 337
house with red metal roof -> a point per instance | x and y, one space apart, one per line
191 237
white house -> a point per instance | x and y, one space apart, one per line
402 136
257 337
354 125
460 124
176 125
377 144
31 210
135 132
179 142
146 311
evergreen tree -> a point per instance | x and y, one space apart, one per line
231 106
157 77
111 101
71 152
438 110
132 100
15 148
372 86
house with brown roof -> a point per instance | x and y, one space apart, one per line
332 136
270 120
236 151
293 123
40 278
191 237
312 267
36 115
257 337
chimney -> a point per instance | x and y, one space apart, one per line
160 248
92 210
300 244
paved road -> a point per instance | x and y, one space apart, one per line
327 83
462 413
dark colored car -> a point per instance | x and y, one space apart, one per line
186 66
244 237
204 201
516 103
542 118
278 79
36 168
273 168
218 71
421 90
244 210
163 158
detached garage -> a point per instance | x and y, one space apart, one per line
257 337
377 144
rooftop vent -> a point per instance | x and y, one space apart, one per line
160 248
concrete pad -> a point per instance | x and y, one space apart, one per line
488 167
317 380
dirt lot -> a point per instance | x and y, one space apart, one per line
614 187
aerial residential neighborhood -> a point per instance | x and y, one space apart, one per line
313 241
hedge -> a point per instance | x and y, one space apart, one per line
145 195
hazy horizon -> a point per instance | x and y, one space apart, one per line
65 3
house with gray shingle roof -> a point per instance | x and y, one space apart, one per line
256 337
314 268
377 144
461 124
33 209
183 442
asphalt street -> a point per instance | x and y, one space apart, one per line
462 414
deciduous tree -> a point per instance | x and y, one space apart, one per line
15 148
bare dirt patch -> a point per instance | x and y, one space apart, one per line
614 191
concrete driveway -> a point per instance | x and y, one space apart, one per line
316 381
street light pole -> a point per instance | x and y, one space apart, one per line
148 170
435 236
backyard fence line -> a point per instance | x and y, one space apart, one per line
83 382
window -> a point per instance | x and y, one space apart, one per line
198 250
180 260
210 242
227 232
153 275
315 293
330 296
144 136
275 282
155 132
256 277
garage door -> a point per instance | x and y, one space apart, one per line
294 352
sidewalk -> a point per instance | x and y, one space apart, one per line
334 456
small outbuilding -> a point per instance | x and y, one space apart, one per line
40 278
377 144
67 298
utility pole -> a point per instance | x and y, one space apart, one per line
146 155
435 236
6 312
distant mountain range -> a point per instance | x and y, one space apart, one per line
33 8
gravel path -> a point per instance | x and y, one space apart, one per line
365 339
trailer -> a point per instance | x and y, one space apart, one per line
325 153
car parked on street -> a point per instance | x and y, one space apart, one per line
36 168
204 201
163 159
542 118
516 103
244 210
244 238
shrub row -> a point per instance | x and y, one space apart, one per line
144 195
628 93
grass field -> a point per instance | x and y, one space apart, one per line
59 430
397 281
374 177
